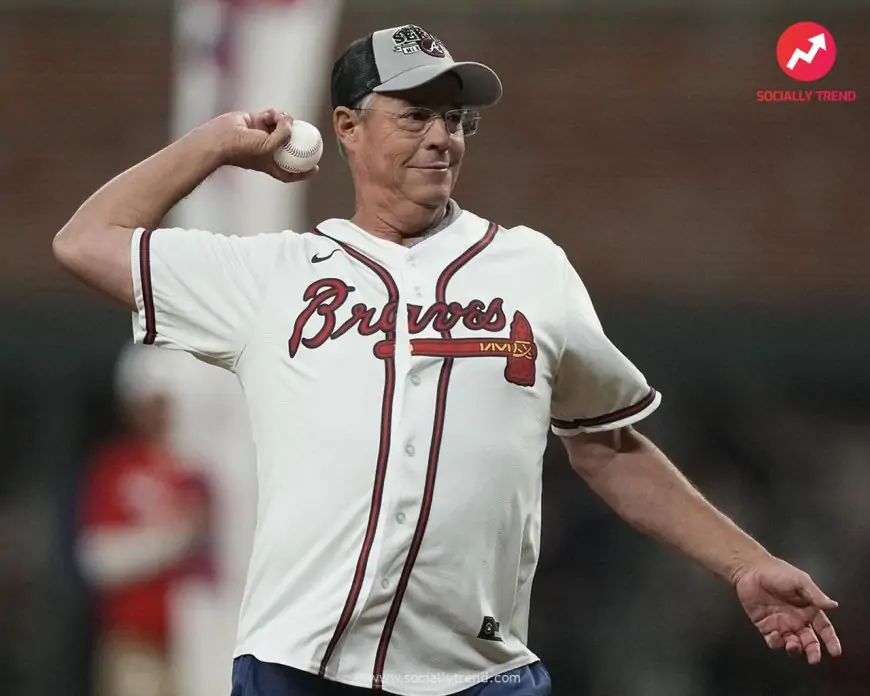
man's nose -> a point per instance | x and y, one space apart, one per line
438 135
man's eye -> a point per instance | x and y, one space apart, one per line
417 115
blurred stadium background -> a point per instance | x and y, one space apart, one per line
725 242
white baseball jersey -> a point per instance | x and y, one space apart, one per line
400 400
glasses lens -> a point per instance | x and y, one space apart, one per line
470 121
416 120
454 120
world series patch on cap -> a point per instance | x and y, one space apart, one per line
402 58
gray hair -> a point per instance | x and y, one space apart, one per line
363 103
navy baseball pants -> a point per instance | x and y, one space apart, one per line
254 678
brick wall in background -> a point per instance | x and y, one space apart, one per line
84 96
635 142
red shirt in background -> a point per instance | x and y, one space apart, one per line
134 484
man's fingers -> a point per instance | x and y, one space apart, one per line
826 632
768 624
283 129
774 640
259 121
303 176
793 645
811 592
290 177
812 647
266 120
272 116
282 174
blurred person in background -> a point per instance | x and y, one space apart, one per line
144 524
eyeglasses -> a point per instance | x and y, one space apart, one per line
419 120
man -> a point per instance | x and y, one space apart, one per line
143 528
402 369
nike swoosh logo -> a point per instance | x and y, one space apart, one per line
318 259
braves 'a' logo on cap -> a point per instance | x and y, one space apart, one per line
413 39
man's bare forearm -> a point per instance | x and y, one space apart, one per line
644 488
94 245
144 194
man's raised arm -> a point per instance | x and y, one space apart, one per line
94 245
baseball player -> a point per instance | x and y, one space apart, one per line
402 369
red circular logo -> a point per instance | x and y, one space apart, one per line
806 51
432 47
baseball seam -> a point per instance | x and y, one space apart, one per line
295 152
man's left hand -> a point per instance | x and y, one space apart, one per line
788 609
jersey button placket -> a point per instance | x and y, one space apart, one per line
414 281
399 537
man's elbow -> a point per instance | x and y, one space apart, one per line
590 453
66 251
99 258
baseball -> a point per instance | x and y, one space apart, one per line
303 151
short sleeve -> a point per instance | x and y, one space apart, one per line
198 291
596 387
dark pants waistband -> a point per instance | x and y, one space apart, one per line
251 677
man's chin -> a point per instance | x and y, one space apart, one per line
432 195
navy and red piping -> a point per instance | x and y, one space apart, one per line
147 290
381 466
607 418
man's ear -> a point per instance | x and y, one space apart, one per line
345 123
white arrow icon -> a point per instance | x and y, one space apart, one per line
818 44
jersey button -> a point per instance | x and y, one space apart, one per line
409 448
418 291
415 380
385 583
400 518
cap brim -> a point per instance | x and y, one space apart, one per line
481 87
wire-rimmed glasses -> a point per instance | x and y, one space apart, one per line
419 120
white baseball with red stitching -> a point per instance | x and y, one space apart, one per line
303 151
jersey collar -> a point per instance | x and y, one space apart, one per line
462 229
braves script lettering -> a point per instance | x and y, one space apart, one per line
318 322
